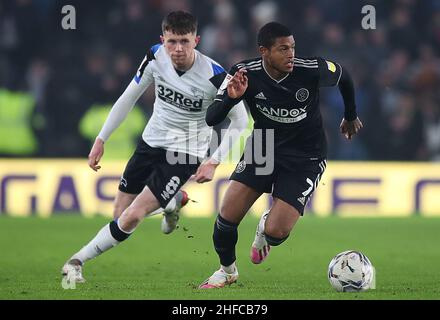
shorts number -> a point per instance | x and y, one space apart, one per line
314 185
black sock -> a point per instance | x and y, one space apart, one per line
117 233
225 238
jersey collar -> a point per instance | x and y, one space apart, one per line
264 68
196 58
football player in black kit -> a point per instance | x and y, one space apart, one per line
282 92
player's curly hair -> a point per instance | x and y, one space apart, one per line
269 32
179 22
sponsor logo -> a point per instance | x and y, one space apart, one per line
123 182
178 99
302 200
302 94
240 166
283 115
331 66
171 187
260 96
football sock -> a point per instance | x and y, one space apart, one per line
108 237
225 238
260 240
229 269
171 206
274 241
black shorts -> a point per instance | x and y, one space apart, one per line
148 166
292 180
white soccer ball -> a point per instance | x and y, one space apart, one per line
351 271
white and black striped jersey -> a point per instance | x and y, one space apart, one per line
290 105
182 98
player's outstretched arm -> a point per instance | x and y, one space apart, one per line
117 115
236 87
120 110
239 121
350 124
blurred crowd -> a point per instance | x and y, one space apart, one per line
395 67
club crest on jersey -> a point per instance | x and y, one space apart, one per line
302 94
240 166
197 93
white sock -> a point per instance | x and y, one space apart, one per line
102 242
171 206
229 269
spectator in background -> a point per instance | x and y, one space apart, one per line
223 37
310 29
262 13
402 34
403 138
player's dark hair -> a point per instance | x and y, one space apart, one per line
179 22
269 32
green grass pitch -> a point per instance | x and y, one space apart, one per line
151 265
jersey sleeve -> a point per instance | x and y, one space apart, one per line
144 74
219 75
222 93
125 103
239 121
222 103
329 73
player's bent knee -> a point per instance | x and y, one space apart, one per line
122 202
228 212
277 232
275 241
118 209
225 208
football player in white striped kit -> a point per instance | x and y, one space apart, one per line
174 142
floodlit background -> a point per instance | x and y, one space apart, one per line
57 86
66 75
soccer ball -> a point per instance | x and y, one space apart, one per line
351 271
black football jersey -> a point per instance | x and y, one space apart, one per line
290 106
